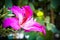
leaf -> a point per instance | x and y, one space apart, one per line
9 14
39 38
55 3
32 6
52 27
47 19
8 3
49 35
32 35
22 2
48 26
40 20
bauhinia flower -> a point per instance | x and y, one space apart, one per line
23 19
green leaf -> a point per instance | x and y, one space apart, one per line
55 3
32 35
52 28
22 2
48 26
41 21
47 19
49 35
9 14
39 38
8 3
32 6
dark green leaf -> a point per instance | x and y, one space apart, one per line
8 3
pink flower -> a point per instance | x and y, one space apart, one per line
23 19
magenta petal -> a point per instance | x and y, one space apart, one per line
18 12
39 27
28 11
13 22
15 26
22 13
31 25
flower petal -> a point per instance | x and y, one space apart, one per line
27 13
31 25
18 12
13 22
39 27
22 13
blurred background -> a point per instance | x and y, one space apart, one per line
46 12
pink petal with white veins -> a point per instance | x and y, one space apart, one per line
31 25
